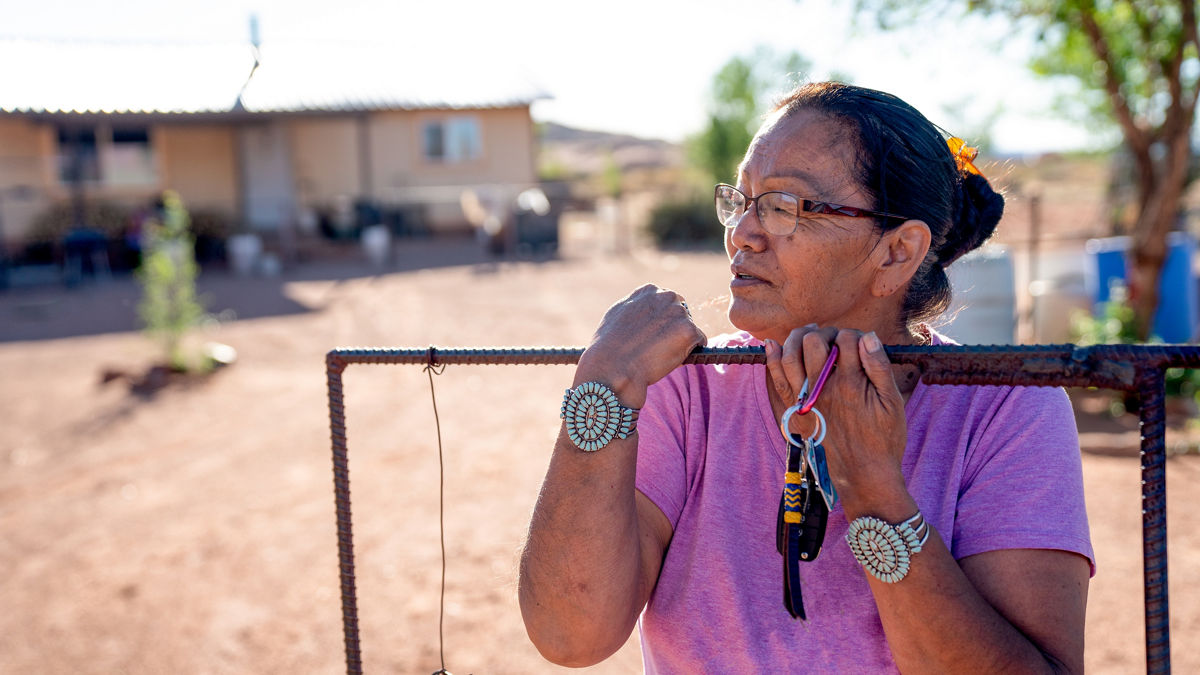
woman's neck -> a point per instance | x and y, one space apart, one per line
907 376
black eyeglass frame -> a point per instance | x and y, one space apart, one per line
806 205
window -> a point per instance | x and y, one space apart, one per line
452 140
78 156
121 155
130 159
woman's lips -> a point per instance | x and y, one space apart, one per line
743 279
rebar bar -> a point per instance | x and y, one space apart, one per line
1138 369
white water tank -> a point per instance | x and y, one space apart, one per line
984 308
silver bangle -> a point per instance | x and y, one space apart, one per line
885 549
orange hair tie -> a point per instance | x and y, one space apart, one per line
964 155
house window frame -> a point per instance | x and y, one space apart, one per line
113 146
460 139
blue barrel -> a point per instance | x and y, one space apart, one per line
1177 316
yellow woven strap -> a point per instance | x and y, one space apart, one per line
793 477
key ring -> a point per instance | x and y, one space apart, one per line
814 438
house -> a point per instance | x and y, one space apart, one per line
273 137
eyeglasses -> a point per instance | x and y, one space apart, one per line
779 212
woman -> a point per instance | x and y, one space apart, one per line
675 511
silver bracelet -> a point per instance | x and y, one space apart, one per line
885 549
594 417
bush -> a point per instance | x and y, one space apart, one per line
688 221
1116 324
211 228
211 223
52 224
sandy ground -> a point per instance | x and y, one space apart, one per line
192 531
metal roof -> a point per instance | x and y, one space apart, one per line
54 77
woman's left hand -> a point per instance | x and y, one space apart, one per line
862 406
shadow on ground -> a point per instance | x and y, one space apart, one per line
52 311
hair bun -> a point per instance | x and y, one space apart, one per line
977 211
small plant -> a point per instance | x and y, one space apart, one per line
1116 323
169 306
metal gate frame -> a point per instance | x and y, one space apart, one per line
1137 369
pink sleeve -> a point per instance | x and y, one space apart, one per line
662 456
1023 481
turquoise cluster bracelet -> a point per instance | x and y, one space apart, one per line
886 550
594 417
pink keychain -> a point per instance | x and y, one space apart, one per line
807 402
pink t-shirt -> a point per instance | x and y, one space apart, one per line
990 467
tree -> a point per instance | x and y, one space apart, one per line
736 106
1138 63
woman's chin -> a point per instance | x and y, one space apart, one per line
754 323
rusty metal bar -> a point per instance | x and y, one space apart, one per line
1137 369
1152 399
334 366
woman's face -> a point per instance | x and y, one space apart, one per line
822 272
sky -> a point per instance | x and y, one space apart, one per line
642 67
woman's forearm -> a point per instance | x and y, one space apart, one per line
595 546
581 584
1004 611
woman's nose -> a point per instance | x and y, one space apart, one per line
747 231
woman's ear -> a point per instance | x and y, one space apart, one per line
902 251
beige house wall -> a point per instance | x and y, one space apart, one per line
27 175
325 159
200 163
402 174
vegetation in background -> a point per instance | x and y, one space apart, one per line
1117 324
1138 66
690 220
738 99
169 306
52 225
1113 325
612 177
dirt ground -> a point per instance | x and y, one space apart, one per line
192 531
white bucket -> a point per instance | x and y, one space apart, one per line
243 250
377 244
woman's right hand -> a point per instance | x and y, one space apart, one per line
641 339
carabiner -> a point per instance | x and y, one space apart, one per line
806 403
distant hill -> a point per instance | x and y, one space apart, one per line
581 152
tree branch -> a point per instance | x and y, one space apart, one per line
1190 34
1178 110
1134 135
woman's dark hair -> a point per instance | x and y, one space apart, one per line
906 165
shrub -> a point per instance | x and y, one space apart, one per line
212 223
1116 324
687 221
52 224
